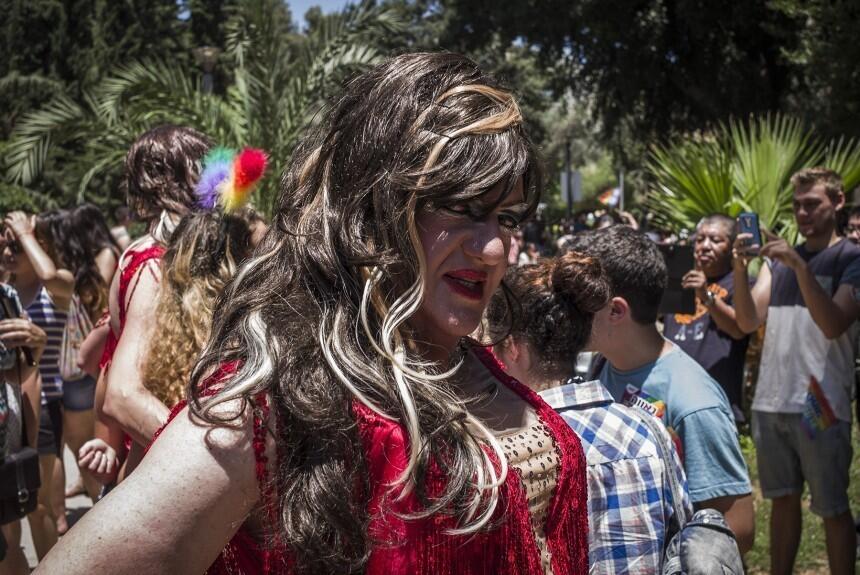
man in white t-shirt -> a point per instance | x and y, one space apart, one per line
802 407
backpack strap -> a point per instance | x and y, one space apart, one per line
597 364
666 456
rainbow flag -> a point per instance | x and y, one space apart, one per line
817 413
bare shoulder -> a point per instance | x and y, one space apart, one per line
193 490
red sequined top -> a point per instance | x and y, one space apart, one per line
417 547
134 260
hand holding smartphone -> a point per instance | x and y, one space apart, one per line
748 223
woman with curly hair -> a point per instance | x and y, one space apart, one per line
630 496
161 169
340 419
201 258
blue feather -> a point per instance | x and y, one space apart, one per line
214 175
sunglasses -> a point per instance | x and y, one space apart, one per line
11 242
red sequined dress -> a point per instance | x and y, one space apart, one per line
419 547
132 261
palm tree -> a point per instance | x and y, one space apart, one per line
279 81
742 167
691 178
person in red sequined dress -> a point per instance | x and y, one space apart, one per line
161 169
340 418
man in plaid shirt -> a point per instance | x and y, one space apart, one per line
629 489
629 495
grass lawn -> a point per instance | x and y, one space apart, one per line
812 556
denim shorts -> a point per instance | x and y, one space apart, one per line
787 457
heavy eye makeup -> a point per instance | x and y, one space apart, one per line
510 216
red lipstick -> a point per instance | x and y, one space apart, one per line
467 283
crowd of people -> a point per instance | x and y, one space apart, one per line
385 378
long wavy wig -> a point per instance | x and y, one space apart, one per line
319 317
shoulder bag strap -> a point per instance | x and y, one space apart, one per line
666 456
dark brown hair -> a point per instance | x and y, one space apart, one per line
556 302
319 316
161 169
634 265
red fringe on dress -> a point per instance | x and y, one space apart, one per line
421 547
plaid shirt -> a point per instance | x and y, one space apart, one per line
629 497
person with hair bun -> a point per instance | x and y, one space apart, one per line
630 506
340 419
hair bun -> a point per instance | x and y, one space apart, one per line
581 281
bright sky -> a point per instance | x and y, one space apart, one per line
299 7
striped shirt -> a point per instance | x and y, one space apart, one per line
630 507
48 316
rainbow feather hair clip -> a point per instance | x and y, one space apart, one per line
228 178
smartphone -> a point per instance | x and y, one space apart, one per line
676 299
8 310
748 224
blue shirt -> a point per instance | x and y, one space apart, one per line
696 411
629 495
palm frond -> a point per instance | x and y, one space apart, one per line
31 139
692 179
768 150
843 156
16 83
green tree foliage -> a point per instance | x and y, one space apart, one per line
654 69
78 41
650 68
277 85
742 166
827 93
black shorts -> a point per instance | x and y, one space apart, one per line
51 428
79 395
